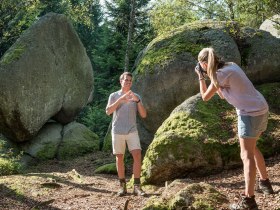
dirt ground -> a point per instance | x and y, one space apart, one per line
73 185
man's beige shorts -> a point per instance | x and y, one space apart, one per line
119 142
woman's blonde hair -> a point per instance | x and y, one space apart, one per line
209 56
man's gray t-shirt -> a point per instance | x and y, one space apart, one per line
124 117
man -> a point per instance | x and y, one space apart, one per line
124 105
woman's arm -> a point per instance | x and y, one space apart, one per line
207 93
220 93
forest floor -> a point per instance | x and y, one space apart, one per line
73 185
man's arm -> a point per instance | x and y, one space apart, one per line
111 107
141 109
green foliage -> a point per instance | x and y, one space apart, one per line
9 160
15 17
167 15
95 118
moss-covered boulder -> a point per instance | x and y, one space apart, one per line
45 145
109 168
260 55
77 140
200 138
181 194
45 74
166 65
61 142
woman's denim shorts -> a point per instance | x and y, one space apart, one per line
251 126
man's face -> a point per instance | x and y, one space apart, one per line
126 82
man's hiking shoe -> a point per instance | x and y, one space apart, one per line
122 190
245 203
265 187
138 191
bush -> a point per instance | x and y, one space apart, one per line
9 160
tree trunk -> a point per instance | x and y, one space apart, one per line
129 35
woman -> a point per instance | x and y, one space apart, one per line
231 84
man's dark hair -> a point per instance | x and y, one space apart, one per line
125 73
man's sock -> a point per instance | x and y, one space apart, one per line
137 181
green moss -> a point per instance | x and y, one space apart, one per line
167 47
107 142
107 169
205 132
271 93
197 196
192 196
210 132
13 53
47 152
74 147
267 143
185 39
177 201
154 203
207 125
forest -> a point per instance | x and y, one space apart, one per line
114 32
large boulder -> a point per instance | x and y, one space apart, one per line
77 140
200 138
260 55
45 145
272 25
164 74
60 142
45 74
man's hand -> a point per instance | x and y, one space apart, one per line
129 97
133 97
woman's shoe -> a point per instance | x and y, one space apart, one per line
245 203
265 187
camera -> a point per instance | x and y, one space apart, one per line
201 70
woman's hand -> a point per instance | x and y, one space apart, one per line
200 76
